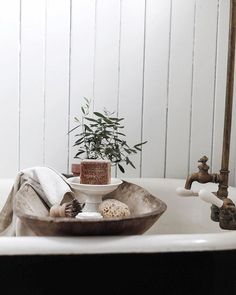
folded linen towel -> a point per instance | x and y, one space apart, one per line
49 185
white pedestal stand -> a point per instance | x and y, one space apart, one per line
93 195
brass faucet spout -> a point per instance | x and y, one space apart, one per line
192 178
202 176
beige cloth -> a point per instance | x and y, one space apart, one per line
45 183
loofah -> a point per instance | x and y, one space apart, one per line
113 208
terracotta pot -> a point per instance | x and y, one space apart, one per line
75 169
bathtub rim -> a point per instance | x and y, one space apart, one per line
117 245
159 243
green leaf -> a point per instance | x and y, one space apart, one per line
113 118
87 128
139 144
108 121
120 133
121 119
73 129
121 168
88 102
109 125
133 151
79 153
132 164
80 134
79 142
83 111
127 151
91 119
129 162
99 115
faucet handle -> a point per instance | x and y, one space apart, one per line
183 192
203 159
210 198
203 194
203 167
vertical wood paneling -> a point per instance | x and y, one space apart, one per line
131 74
82 61
107 55
32 83
180 87
106 61
9 86
57 83
220 86
155 87
203 81
168 83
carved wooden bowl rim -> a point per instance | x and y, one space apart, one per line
156 206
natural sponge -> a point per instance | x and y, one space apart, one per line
113 208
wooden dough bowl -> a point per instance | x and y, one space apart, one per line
145 211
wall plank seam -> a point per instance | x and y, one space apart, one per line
168 90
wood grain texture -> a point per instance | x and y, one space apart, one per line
32 83
82 64
146 210
155 87
203 81
9 87
106 65
57 74
180 87
131 74
159 64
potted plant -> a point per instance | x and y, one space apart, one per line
100 136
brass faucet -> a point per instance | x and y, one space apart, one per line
226 214
202 176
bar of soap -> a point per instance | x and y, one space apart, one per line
89 215
95 172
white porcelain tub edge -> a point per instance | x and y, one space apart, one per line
186 232
113 245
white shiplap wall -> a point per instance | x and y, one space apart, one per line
161 64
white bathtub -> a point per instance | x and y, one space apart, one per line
184 227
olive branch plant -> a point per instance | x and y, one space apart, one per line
100 137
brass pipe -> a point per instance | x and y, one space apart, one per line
224 172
